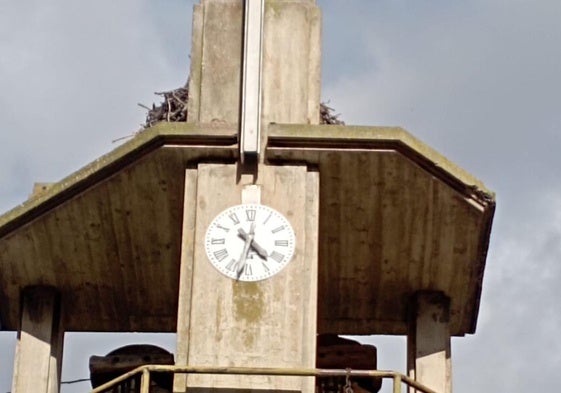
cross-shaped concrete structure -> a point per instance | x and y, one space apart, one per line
391 237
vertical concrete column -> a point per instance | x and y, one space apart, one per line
38 359
185 278
269 323
216 62
291 63
428 342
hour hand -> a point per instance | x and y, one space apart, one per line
240 266
243 257
260 250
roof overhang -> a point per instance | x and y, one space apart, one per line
396 217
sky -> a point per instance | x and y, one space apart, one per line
477 80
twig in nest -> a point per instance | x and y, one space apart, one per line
327 116
174 109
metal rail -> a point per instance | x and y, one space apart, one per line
250 124
145 373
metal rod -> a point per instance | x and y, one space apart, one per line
145 381
295 372
397 383
419 386
113 382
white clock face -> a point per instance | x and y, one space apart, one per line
250 242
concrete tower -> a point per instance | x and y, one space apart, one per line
325 229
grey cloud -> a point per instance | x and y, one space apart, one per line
477 80
71 78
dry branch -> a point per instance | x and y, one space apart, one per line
174 109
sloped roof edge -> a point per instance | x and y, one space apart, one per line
184 134
292 136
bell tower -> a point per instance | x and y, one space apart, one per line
251 229
252 64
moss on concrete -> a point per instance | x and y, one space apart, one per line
390 137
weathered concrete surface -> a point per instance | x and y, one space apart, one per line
300 141
397 217
216 58
381 189
269 323
38 358
428 343
291 62
186 277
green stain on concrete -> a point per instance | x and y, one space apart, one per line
274 6
249 306
218 319
248 301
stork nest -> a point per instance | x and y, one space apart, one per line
174 109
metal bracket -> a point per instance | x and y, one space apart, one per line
250 124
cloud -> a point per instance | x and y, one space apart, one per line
477 80
521 313
71 74
71 79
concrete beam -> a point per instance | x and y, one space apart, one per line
428 343
38 359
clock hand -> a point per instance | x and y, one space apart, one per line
243 257
260 250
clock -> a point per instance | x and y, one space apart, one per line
250 242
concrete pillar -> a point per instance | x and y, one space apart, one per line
428 342
272 322
268 323
185 278
216 60
38 358
291 62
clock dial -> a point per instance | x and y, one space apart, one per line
250 242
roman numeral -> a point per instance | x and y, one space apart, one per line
234 218
250 214
277 256
231 266
281 243
248 271
267 219
265 266
221 254
277 229
219 241
223 228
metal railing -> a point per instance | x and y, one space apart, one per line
143 373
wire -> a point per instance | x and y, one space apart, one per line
71 382
74 381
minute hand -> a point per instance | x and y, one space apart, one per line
242 261
260 250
